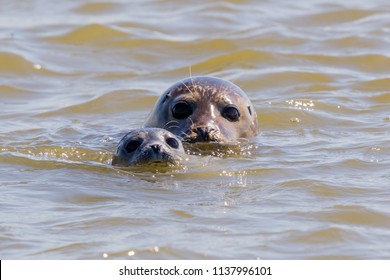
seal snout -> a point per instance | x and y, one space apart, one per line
205 133
156 152
156 148
202 134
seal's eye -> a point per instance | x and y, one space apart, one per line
231 113
172 142
133 145
181 110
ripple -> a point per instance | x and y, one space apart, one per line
301 78
328 235
97 8
325 189
375 85
57 251
15 64
352 42
90 34
339 16
112 102
241 58
182 214
355 215
46 155
375 63
100 224
12 92
156 253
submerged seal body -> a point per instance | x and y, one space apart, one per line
205 109
148 145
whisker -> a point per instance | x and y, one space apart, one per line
192 80
192 122
183 135
172 126
187 87
172 121
182 132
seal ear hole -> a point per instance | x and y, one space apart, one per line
181 110
133 145
172 142
250 110
231 113
166 97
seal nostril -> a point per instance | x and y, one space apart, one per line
156 148
204 133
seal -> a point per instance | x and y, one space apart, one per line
147 145
205 109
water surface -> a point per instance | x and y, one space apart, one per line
76 75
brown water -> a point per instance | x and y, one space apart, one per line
76 75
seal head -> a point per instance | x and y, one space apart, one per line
205 109
148 145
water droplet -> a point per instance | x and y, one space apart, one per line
131 253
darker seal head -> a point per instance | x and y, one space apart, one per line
148 145
205 109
